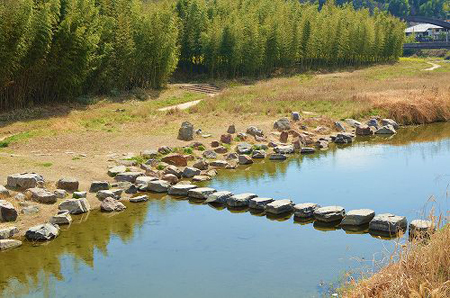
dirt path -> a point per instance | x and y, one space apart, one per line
433 66
182 106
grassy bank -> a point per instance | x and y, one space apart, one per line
422 270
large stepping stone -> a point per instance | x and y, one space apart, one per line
41 195
244 148
259 203
44 232
358 217
219 197
240 200
8 232
75 206
277 157
113 193
139 199
69 184
190 172
422 227
245 160
158 186
287 149
305 210
24 181
171 169
386 130
388 223
111 205
219 163
62 218
181 189
128 176
201 193
99 185
9 244
329 213
279 207
112 172
7 211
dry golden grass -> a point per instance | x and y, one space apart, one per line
422 271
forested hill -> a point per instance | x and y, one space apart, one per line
428 8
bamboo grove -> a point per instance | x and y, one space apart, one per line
56 50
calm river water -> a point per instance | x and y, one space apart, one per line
176 248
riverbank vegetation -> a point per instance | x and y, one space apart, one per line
56 50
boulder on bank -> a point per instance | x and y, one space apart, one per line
7 211
329 213
282 124
8 232
139 199
60 193
128 176
68 184
190 172
158 186
201 192
388 223
201 165
148 154
394 124
373 122
79 194
259 203
75 206
308 150
226 139
305 210
365 130
219 197
113 171
24 181
9 244
339 126
186 131
178 160
279 207
386 130
99 185
245 160
244 148
343 138
111 205
171 169
103 194
286 149
277 157
254 131
358 217
44 232
62 218
4 193
240 200
41 195
259 154
201 178
353 123
209 154
420 227
219 163
181 189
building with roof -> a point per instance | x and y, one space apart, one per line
426 31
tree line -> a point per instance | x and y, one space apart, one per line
55 50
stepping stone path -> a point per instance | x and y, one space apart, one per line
305 210
8 232
358 217
75 206
201 193
219 197
181 189
388 223
259 203
240 200
9 244
68 184
44 232
7 211
201 178
111 205
329 213
24 181
279 207
174 171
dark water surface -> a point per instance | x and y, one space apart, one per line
176 248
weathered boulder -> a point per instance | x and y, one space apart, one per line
365 130
190 172
287 149
99 185
386 130
201 192
259 154
221 150
172 179
305 139
307 150
259 203
8 232
148 154
24 181
69 184
60 193
295 116
226 139
245 160
254 131
358 217
305 210
231 129
111 205
244 148
388 223
79 194
373 122
143 181
171 169
219 163
329 213
240 200
62 218
178 160
277 157
158 186
353 123
41 195
9 244
201 165
113 171
180 189
344 138
279 207
232 156
128 176
282 124
44 232
420 227
219 197
103 194
4 193
7 211
75 206
339 126
394 124
186 131
139 199
209 154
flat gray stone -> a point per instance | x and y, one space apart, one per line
282 124
61 219
388 223
24 181
143 181
358 217
8 232
79 194
386 130
394 124
174 170
259 154
201 192
418 226
128 176
139 199
112 172
44 232
219 197
181 189
60 193
329 213
41 195
279 206
9 244
219 163
201 178
240 200
277 157
259 203
285 149
111 205
307 150
99 185
103 194
353 123
244 148
245 160
190 172
75 206
68 184
29 210
158 186
7 211
305 210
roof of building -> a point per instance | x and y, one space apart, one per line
420 28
